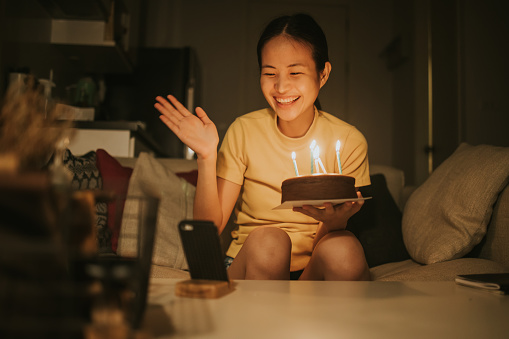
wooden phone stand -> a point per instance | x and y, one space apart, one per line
201 288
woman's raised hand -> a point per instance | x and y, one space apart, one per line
196 131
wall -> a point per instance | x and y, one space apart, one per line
402 60
463 84
370 83
485 72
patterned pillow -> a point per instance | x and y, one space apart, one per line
86 175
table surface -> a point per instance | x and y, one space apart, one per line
321 309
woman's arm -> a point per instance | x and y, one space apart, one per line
215 197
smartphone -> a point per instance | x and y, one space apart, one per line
202 248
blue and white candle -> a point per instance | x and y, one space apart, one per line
338 146
295 163
319 161
312 148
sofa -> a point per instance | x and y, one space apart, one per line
456 222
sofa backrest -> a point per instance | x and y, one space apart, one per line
174 164
495 245
395 179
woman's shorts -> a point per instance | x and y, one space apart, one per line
293 275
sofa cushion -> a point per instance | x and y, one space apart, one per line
115 179
86 175
378 225
409 270
166 272
448 214
496 244
176 203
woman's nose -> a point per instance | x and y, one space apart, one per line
282 84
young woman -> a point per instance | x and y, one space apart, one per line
255 157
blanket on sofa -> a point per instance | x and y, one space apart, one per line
176 195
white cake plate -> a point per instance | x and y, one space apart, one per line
316 203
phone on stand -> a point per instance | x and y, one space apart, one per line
202 248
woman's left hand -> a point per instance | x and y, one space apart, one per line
333 217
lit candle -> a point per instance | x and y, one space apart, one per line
295 164
316 154
312 147
320 161
338 145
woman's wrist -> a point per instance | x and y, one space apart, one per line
331 226
207 157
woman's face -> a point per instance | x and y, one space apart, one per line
290 83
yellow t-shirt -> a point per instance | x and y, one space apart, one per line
256 155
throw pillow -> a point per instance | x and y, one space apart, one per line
115 179
176 203
448 214
378 225
86 175
191 176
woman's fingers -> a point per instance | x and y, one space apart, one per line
173 127
172 112
167 110
330 211
172 109
178 106
200 113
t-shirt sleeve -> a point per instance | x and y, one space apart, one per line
231 164
356 162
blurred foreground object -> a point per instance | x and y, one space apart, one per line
53 283
30 131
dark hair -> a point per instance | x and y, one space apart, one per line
299 27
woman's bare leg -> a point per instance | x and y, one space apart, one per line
337 256
265 255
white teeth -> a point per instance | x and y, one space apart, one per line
286 100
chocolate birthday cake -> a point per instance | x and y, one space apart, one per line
318 187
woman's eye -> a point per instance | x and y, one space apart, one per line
296 73
269 74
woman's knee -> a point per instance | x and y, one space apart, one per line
268 253
268 243
343 241
269 238
342 254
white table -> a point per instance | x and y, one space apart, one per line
302 309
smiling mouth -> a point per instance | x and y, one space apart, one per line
286 101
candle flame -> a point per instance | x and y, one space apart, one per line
316 152
313 144
293 156
338 145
